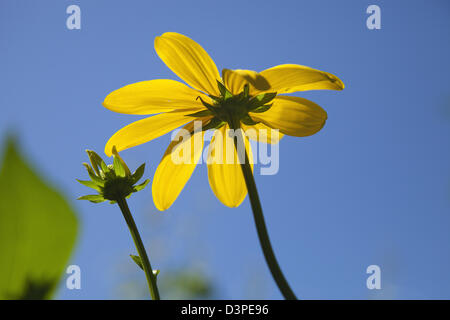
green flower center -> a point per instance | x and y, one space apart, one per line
118 187
233 109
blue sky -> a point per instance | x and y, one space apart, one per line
373 187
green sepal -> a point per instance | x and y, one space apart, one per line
90 184
206 104
246 90
249 121
99 181
203 113
98 164
215 123
263 108
95 198
137 175
216 99
240 97
118 167
96 161
105 169
261 99
141 186
224 91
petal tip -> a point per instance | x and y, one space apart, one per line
340 84
157 201
105 105
108 151
336 81
234 204
160 207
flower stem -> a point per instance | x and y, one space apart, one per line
151 277
261 228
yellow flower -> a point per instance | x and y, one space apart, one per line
243 95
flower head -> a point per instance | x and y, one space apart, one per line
112 182
237 99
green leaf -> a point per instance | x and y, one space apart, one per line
38 228
94 198
137 175
137 260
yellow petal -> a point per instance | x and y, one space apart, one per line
235 80
225 178
189 61
176 166
293 116
287 78
147 129
262 133
153 96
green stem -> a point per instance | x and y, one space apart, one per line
151 277
261 228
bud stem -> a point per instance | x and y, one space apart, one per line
151 277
